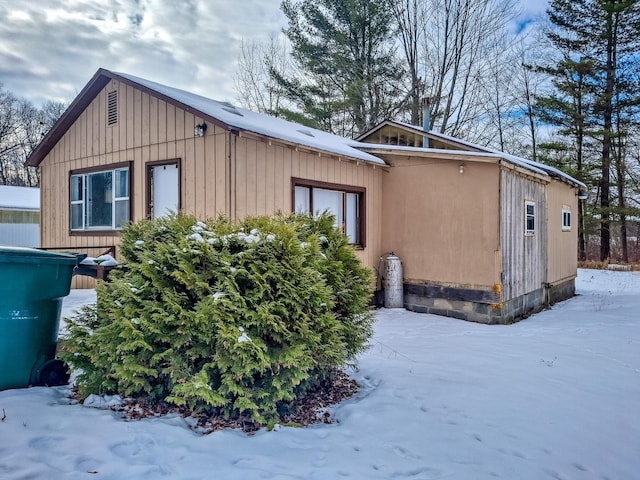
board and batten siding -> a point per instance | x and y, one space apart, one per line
148 129
262 182
220 173
524 257
563 243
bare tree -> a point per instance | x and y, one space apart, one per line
22 127
500 96
450 44
9 141
257 89
410 16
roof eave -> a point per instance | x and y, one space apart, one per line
373 130
465 146
172 101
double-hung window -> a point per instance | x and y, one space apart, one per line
345 203
529 218
100 198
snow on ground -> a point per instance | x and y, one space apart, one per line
555 396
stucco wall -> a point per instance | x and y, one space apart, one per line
563 244
443 224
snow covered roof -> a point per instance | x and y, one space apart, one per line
243 119
497 156
222 113
19 198
240 119
522 162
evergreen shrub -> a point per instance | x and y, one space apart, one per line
232 319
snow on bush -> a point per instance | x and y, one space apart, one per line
234 319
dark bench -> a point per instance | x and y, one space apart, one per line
99 272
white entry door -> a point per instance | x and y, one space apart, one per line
165 188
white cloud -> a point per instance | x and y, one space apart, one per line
50 53
530 13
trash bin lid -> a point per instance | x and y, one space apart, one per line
33 255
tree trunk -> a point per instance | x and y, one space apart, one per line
605 181
621 174
582 247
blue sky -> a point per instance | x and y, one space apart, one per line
49 50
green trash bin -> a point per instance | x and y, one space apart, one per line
32 285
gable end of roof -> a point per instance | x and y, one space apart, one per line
90 91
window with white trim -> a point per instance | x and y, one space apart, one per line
345 203
529 218
566 219
100 199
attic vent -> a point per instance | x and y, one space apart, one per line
112 107
232 110
306 132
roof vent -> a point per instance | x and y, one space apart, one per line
306 132
233 110
112 107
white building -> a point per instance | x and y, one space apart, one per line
19 216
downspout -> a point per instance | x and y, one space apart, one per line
426 120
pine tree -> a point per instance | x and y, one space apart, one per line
606 34
569 108
349 76
238 319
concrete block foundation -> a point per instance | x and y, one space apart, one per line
482 306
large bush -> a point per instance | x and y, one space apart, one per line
235 318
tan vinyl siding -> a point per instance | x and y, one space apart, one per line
441 223
563 257
524 258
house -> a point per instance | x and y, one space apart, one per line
19 216
483 235
476 229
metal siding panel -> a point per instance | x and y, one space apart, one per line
153 120
146 120
274 188
100 111
162 121
130 114
171 123
200 171
211 186
251 182
262 171
122 116
523 257
221 173
137 118
239 185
